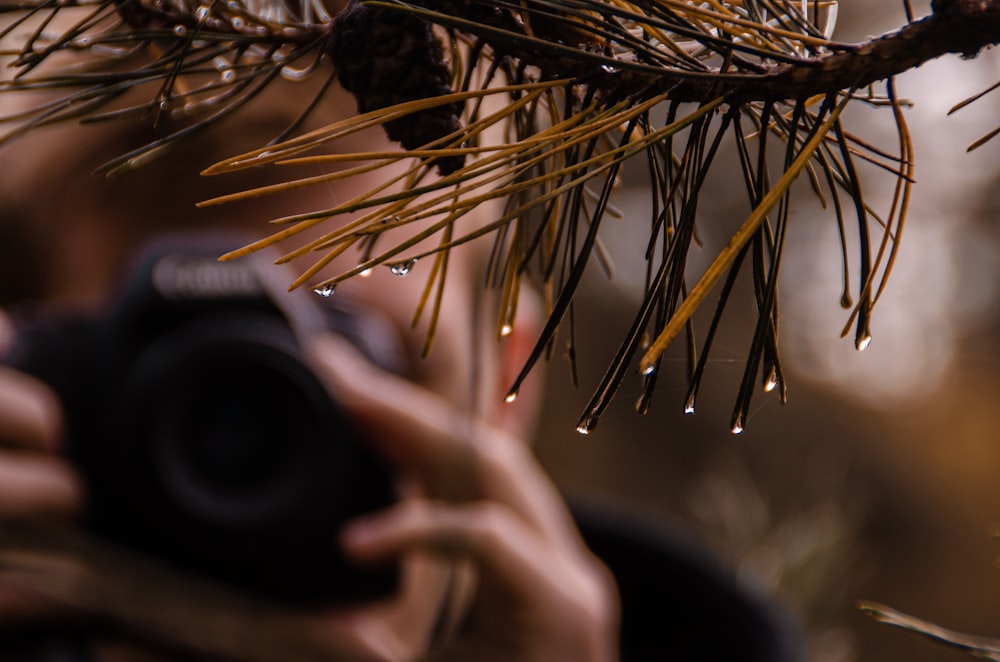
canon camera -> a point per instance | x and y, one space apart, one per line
201 432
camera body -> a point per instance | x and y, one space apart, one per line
201 432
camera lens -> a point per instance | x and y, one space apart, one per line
223 452
233 432
232 443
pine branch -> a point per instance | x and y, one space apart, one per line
570 76
984 648
964 27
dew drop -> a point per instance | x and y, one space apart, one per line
326 290
689 406
164 105
737 428
228 75
180 30
366 273
506 330
402 268
771 383
648 370
238 23
608 69
291 73
201 13
587 425
510 397
862 343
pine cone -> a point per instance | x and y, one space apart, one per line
386 57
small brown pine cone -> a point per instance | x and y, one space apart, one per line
385 57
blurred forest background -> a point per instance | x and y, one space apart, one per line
880 478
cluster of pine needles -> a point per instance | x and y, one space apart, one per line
576 88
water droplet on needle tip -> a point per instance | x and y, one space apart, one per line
402 268
325 291
863 342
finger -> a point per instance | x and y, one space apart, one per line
19 605
30 415
32 484
457 458
523 564
6 333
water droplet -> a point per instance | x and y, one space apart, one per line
180 30
366 273
228 75
238 23
511 397
771 383
586 425
608 69
846 301
862 343
689 406
326 290
164 105
202 12
402 268
737 428
506 330
647 370
291 73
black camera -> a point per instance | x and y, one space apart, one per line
200 431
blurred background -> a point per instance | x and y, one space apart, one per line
880 478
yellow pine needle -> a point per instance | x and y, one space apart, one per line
555 193
752 26
356 123
510 295
739 239
557 135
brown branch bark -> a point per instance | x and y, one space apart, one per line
964 27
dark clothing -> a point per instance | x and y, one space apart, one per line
679 603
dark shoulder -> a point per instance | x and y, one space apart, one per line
678 601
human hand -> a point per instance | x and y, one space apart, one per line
34 482
483 499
